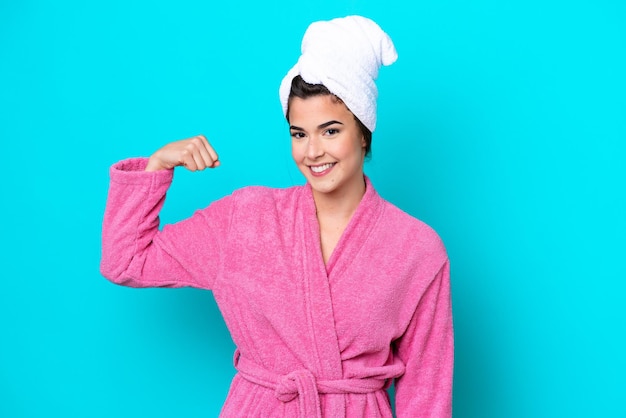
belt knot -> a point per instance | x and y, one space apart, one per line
299 382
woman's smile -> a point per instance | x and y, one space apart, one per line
320 170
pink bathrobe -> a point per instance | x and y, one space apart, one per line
313 340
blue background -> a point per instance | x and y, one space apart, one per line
502 125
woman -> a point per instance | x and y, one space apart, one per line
329 292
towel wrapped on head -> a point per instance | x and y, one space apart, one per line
344 55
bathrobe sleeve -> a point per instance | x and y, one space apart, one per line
427 350
136 254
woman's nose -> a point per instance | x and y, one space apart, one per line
314 148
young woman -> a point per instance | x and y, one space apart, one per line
330 292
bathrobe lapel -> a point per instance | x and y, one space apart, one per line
318 278
320 318
356 233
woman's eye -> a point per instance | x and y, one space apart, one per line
297 135
332 131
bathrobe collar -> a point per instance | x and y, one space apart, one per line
361 224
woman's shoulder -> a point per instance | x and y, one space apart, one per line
411 230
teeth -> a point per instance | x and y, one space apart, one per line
320 168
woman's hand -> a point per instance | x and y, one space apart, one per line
193 153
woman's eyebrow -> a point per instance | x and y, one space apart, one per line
330 122
322 126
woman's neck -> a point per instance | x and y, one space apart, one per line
334 211
340 203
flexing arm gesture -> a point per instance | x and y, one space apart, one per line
193 153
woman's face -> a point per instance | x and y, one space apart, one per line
327 144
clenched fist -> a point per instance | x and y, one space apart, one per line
193 153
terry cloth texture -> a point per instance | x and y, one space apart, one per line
344 54
313 340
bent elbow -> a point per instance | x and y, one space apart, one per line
114 273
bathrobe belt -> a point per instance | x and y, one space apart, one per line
303 385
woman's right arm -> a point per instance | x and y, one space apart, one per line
134 252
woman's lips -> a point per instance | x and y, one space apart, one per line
322 169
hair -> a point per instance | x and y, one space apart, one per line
304 90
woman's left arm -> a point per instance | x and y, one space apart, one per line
427 350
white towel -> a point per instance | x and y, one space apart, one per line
344 54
